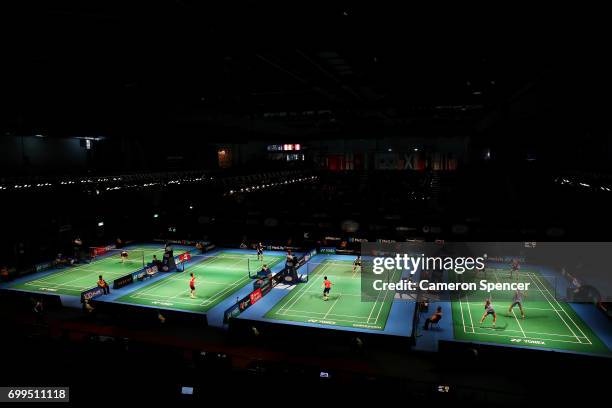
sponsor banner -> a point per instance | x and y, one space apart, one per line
327 250
281 248
44 266
244 304
232 312
306 257
357 240
182 258
347 251
123 281
505 259
266 287
97 251
151 270
134 276
255 296
91 293
188 242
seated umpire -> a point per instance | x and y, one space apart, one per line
435 318
156 262
102 283
291 268
264 272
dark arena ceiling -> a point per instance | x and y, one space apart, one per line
113 67
105 68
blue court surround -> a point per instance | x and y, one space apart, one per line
399 321
214 315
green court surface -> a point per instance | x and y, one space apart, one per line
74 280
548 323
217 277
345 307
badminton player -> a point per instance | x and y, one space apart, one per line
489 310
259 252
357 263
124 256
514 267
517 300
192 286
326 288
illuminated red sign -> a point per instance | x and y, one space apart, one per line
255 295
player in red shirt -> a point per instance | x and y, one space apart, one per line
326 288
192 285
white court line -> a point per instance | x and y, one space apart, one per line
335 320
374 306
330 309
469 308
150 296
531 332
288 305
207 300
173 296
519 324
65 286
230 288
82 270
164 281
462 318
551 305
382 304
539 308
175 301
517 321
530 338
68 283
561 306
205 263
48 289
337 293
292 301
332 314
